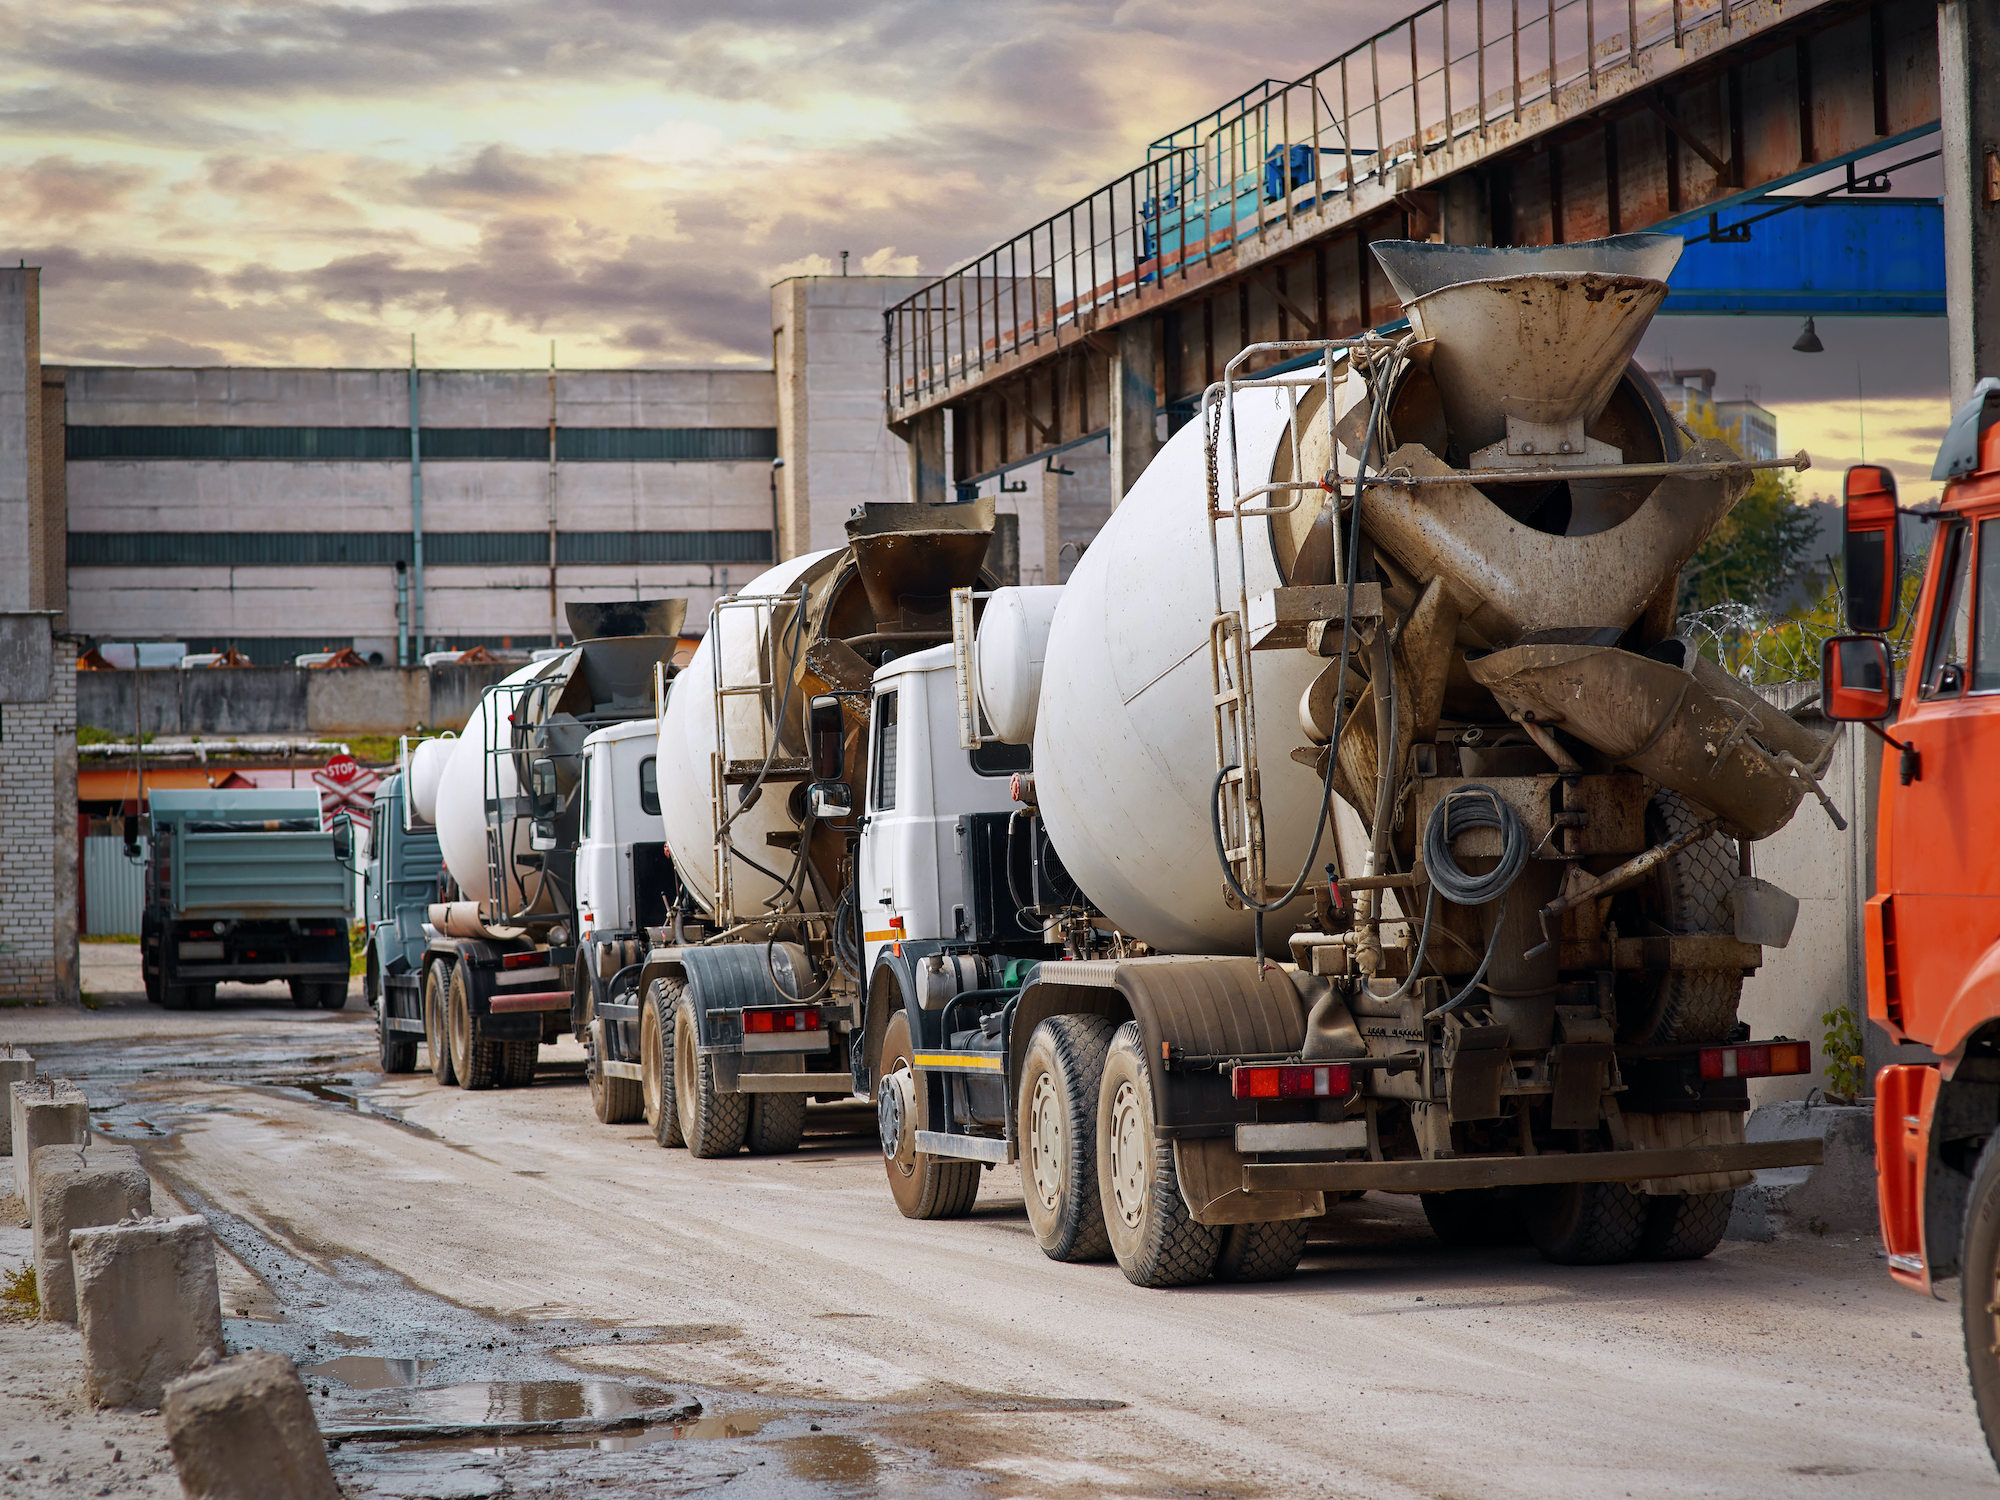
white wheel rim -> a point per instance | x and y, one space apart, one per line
1128 1155
1047 1143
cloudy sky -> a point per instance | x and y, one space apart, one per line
312 183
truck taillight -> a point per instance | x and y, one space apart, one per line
323 932
523 960
1756 1060
1292 1081
781 1020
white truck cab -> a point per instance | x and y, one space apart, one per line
922 788
621 810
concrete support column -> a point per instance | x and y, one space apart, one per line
1135 403
1969 79
1052 521
1462 207
928 482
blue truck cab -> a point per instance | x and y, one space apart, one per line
400 879
242 887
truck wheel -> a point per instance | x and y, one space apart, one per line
1261 1252
777 1124
1157 1241
474 1059
176 996
1979 1290
1058 1124
1688 893
517 1064
305 993
924 1186
1475 1218
656 1060
437 1029
712 1123
333 994
615 1101
397 1050
1685 1226
1586 1223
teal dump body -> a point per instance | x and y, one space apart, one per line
253 853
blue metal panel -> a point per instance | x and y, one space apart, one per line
1849 255
114 888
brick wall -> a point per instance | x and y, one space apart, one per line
38 843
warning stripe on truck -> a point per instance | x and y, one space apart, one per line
959 1062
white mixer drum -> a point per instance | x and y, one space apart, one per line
1012 644
428 760
1124 739
687 743
459 802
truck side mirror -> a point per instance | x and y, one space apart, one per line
131 835
544 791
1874 551
343 838
826 738
1855 679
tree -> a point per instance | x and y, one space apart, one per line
1756 550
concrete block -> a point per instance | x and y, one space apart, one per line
1837 1194
146 1304
243 1429
43 1112
78 1188
15 1067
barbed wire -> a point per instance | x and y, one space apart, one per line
1767 648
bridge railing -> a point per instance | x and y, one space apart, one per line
1274 156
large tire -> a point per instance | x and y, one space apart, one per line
396 1050
517 1063
437 1024
1586 1223
1475 1218
656 1060
305 993
924 1186
777 1124
615 1101
1689 893
1685 1226
1057 1112
1269 1251
177 996
474 1058
1157 1241
712 1123
1979 1291
332 994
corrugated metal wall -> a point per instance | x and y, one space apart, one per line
113 888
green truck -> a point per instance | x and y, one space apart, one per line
243 887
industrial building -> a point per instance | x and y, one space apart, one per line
1690 395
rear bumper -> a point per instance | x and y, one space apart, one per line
1525 1171
503 1003
258 972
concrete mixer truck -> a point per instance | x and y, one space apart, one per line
1366 826
511 957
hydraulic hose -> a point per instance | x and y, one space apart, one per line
1474 805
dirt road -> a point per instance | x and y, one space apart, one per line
507 1250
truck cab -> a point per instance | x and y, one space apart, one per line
400 876
1932 928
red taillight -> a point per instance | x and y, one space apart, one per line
523 960
1292 1081
324 932
202 933
781 1020
1756 1060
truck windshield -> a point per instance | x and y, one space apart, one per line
1951 625
1986 645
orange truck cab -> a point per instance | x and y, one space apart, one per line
1932 928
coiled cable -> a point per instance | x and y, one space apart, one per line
1474 805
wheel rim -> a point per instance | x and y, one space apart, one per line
649 1061
1128 1155
1047 1142
895 1060
461 1030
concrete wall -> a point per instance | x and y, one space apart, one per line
20 438
38 846
1832 873
284 700
827 348
357 603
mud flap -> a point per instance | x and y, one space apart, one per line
1211 1177
1676 1128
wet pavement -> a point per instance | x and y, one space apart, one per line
494 1294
